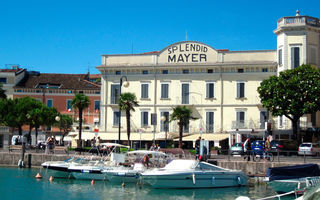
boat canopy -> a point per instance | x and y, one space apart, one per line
293 172
109 144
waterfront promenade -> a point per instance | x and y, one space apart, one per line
251 168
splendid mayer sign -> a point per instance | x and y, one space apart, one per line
187 52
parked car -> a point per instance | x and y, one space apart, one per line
257 146
276 146
237 149
308 149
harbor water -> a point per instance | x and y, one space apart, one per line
20 184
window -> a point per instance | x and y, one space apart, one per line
3 80
164 91
295 57
210 71
96 105
145 72
240 70
118 72
164 125
69 105
209 122
185 93
280 121
115 93
144 118
185 71
165 71
240 90
240 119
116 118
49 103
144 91
264 69
280 56
210 90
186 127
264 116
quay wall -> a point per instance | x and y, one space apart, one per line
250 168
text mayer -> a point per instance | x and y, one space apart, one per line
180 53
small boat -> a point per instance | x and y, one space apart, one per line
93 169
128 172
290 178
59 169
193 174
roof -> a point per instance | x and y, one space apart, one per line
64 81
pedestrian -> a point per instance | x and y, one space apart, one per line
47 151
247 148
267 147
197 147
152 148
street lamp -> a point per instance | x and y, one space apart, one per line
125 84
164 120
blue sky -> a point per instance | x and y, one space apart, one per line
70 36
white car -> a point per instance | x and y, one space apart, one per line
308 149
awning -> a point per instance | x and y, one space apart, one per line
207 136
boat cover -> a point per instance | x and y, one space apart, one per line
293 172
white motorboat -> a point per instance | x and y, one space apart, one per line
135 164
290 178
93 169
59 169
193 174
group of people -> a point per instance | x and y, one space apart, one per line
247 147
155 147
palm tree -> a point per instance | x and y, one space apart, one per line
183 114
80 102
127 102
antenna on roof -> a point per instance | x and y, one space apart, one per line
88 67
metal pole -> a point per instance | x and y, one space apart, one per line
119 128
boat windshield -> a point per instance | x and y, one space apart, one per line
181 164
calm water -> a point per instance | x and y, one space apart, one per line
20 184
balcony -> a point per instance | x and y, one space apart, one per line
247 124
298 21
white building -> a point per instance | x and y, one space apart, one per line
219 85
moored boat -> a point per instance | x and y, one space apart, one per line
290 178
193 174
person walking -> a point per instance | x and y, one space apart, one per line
197 147
247 148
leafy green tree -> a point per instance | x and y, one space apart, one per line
183 115
293 93
80 102
2 92
64 124
127 102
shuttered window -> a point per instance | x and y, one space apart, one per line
210 90
185 94
164 90
144 91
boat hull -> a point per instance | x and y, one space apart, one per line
195 180
57 171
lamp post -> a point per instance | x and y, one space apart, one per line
164 120
125 84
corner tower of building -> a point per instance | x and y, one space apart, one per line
298 41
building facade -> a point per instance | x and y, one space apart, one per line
58 90
220 86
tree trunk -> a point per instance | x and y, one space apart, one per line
20 130
128 126
180 134
295 128
36 129
29 135
80 128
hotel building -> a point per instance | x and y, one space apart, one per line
220 86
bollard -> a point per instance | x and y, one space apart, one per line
29 160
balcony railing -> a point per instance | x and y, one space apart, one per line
298 20
248 124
